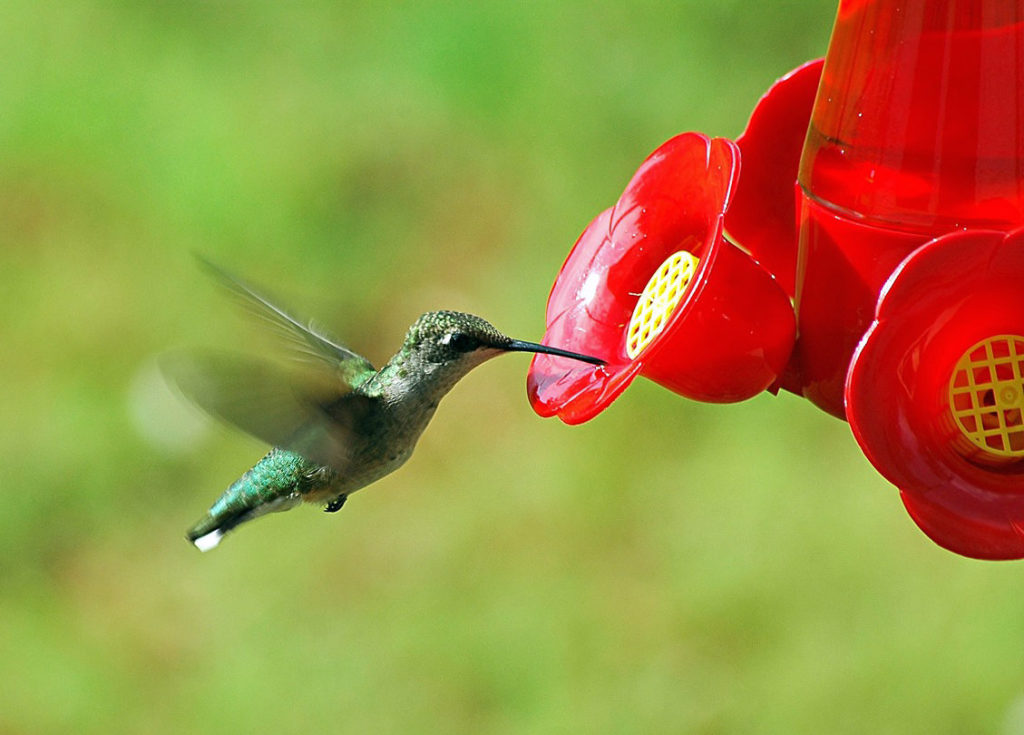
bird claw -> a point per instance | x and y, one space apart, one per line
335 505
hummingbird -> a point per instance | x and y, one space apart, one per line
335 422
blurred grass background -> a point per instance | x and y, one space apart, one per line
670 567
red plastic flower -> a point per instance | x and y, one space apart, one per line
935 394
653 288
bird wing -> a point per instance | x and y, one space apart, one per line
301 409
305 340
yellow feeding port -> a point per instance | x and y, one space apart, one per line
660 297
986 398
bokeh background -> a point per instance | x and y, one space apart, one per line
670 567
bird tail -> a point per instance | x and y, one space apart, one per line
273 484
207 533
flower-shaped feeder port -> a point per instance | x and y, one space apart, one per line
653 288
935 394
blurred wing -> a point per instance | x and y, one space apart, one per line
305 339
307 411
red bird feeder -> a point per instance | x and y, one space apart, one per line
880 212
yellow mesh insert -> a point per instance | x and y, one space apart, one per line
986 397
660 297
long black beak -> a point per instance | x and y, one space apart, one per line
517 345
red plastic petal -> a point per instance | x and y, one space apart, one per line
577 319
762 217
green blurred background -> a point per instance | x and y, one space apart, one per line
670 567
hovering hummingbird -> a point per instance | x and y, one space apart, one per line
336 424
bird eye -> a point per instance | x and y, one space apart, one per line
460 341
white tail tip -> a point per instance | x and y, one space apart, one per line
209 541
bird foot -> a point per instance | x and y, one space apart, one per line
335 505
